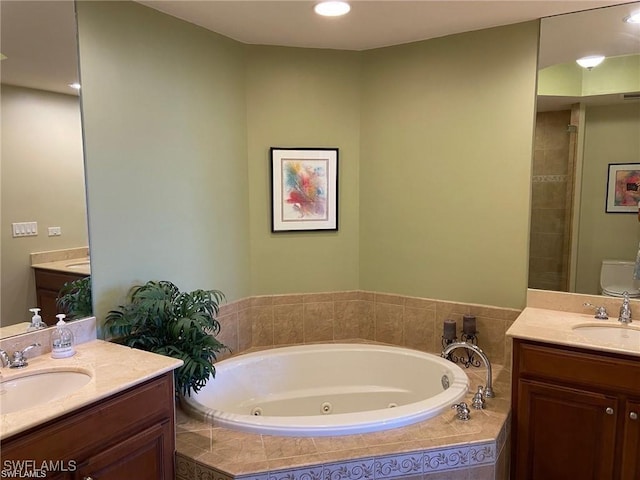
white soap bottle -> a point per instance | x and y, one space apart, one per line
36 320
62 339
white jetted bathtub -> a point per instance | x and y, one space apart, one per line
328 389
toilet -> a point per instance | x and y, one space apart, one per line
616 277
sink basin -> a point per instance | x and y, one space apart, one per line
31 390
624 336
78 265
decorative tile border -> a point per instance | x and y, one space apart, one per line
352 470
307 473
391 466
460 457
378 468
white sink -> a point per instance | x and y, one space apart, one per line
619 335
33 389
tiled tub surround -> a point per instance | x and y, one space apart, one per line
438 448
411 322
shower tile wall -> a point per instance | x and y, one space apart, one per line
416 323
551 202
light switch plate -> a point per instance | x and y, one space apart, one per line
24 229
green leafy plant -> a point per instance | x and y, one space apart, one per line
161 319
74 298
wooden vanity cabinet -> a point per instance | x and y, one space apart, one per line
575 414
631 454
128 435
48 285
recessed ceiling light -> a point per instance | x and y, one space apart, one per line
590 61
633 18
332 9
75 85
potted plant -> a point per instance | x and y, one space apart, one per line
160 318
74 298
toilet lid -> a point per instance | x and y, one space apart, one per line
618 291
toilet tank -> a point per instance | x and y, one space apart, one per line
616 277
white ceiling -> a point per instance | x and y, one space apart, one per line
370 24
38 37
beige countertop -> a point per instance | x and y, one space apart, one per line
113 368
557 327
78 266
67 260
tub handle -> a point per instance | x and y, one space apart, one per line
462 409
478 401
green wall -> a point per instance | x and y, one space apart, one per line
303 98
446 166
164 120
611 135
435 146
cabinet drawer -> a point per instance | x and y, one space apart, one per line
577 367
74 436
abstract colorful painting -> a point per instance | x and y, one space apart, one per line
623 188
304 189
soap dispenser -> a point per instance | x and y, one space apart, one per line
62 339
36 320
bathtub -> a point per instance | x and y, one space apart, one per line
327 389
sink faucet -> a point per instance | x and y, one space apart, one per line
488 391
625 309
19 360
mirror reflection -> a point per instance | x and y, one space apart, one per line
44 228
588 118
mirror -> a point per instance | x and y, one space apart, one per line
42 163
586 119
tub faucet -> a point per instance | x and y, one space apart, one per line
488 390
625 309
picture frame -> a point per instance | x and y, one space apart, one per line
623 188
304 189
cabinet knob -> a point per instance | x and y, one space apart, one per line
633 416
609 411
87 478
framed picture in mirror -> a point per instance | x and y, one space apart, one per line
623 188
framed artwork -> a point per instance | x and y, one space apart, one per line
623 188
304 189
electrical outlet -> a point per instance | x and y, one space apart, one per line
55 231
24 229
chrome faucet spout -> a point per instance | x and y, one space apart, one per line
625 310
19 359
488 391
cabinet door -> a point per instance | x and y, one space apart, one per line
143 456
564 433
631 442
